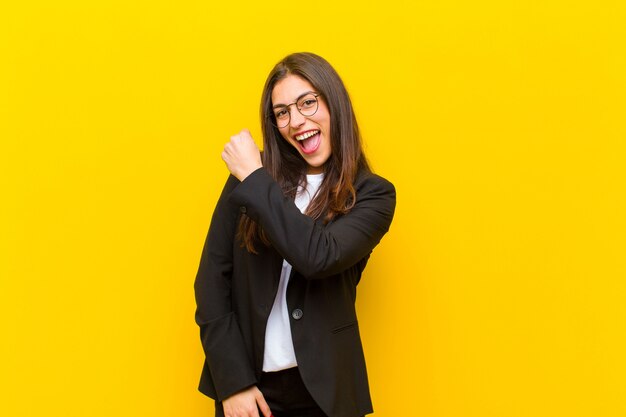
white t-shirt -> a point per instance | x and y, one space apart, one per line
279 353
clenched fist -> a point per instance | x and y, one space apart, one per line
241 155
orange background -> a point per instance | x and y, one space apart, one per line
500 288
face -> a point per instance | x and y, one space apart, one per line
310 135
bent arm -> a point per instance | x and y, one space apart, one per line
316 250
230 366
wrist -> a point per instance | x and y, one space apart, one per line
245 174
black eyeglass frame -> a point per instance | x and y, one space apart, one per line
272 117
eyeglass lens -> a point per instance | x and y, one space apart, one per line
307 106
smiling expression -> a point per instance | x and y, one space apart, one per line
310 135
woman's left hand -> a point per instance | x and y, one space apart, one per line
241 155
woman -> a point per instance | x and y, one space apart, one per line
288 241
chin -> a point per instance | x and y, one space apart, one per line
315 164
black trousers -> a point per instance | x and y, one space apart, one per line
285 394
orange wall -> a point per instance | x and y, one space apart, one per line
499 290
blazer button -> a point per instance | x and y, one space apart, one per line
297 314
243 209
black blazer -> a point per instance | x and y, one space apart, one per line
235 290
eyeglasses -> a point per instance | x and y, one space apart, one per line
306 104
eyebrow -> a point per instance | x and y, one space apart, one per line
299 97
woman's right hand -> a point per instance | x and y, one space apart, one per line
241 155
244 404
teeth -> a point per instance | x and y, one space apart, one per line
307 135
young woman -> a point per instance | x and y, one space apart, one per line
288 241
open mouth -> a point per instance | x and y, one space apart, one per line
309 141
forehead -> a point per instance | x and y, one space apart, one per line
289 89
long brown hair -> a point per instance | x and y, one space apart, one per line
336 195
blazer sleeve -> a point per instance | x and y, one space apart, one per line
313 249
229 364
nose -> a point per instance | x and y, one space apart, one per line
296 119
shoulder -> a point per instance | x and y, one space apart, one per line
368 182
374 192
